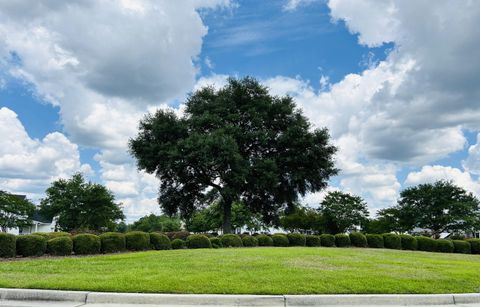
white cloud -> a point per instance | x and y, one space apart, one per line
472 162
292 5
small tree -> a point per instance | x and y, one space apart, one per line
343 211
152 222
15 211
441 206
81 205
302 219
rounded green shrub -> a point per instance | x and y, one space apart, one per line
137 241
426 244
159 241
249 241
231 240
178 244
198 241
375 241
86 244
408 242
280 240
474 245
8 244
342 240
31 245
60 246
462 247
112 242
296 239
264 240
327 240
52 235
216 242
172 235
445 246
358 239
312 241
392 241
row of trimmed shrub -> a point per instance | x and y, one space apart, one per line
61 244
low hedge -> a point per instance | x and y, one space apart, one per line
327 240
249 241
198 241
31 245
408 242
52 235
264 240
296 239
342 240
474 245
178 244
216 242
280 240
461 247
231 240
445 246
112 242
392 241
312 241
358 239
137 241
7 245
172 235
60 246
426 244
375 241
86 244
159 241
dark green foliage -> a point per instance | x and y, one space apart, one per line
358 239
152 223
52 235
7 245
178 244
462 247
475 245
198 241
342 240
264 240
445 246
137 240
238 142
159 241
60 246
31 245
327 240
392 241
86 244
280 240
182 235
375 241
299 218
113 242
312 241
426 244
249 241
296 239
231 240
15 211
408 242
216 242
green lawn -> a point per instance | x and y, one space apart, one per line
292 270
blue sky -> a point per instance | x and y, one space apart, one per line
76 78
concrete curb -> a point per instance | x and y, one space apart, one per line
237 300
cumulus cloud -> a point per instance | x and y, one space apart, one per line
472 162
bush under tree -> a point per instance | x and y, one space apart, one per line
231 240
198 241
216 242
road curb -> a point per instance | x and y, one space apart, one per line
237 300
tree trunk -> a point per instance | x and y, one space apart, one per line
227 215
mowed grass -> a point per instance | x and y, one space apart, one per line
252 271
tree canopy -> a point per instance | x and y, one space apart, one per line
152 222
239 143
15 211
81 205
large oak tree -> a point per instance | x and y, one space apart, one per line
238 143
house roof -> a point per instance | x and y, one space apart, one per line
40 218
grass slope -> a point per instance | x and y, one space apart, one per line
253 271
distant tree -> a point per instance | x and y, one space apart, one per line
240 143
15 211
152 222
302 219
385 222
81 205
439 207
342 212
121 227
